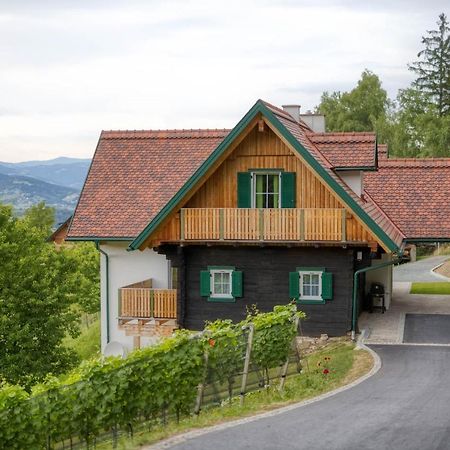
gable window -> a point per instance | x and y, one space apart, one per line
221 284
261 188
311 285
266 190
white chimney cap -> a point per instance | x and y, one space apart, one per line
293 111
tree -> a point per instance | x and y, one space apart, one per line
41 217
362 109
433 67
35 303
84 281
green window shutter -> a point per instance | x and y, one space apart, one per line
327 286
294 285
236 283
244 190
288 189
205 283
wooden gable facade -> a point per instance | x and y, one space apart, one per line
212 213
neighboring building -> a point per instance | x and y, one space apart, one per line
59 236
196 225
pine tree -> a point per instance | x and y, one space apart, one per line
433 68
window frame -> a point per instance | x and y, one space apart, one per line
311 298
213 294
253 187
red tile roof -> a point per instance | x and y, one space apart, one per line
347 149
416 193
133 175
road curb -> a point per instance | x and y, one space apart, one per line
175 440
443 277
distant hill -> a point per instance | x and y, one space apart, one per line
57 182
70 172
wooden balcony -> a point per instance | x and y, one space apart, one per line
251 224
146 303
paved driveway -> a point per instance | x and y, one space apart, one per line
419 270
405 406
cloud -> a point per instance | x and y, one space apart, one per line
69 69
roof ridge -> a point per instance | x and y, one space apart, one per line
165 134
344 133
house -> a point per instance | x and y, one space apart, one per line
59 236
195 225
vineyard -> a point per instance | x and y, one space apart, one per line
183 374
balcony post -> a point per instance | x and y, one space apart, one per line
152 303
182 224
344 224
261 224
302 224
221 224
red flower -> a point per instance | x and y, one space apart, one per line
325 371
212 342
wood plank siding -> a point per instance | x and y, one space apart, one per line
265 283
262 150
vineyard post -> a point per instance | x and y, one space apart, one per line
201 386
286 364
248 353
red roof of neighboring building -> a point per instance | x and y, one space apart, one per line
133 175
347 150
415 192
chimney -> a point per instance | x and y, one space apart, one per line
314 121
293 111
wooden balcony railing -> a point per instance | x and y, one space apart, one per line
251 224
148 303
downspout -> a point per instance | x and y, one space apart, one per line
356 285
107 287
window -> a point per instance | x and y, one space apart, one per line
221 284
271 188
311 285
266 190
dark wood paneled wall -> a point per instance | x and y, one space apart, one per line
265 279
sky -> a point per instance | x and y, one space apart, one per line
69 69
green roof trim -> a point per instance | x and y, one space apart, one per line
234 133
336 187
260 107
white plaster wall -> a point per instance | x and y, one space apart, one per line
354 180
126 268
383 276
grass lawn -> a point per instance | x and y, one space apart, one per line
439 288
344 365
87 344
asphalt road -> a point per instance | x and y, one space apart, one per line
404 406
419 270
427 329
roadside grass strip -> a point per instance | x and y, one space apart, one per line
433 288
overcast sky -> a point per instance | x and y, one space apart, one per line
69 69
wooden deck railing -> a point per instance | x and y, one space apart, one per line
148 303
251 224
